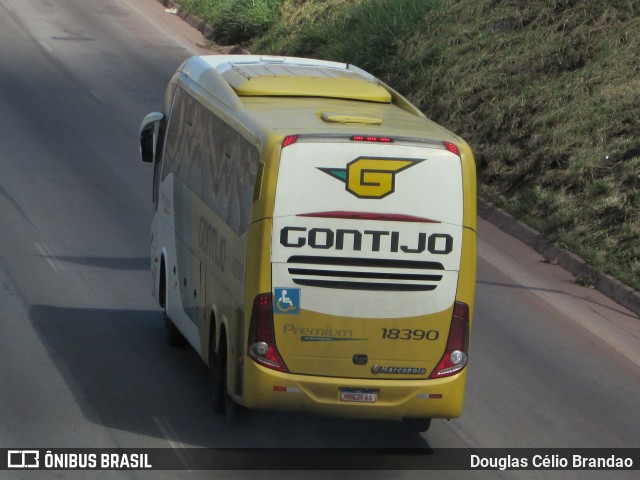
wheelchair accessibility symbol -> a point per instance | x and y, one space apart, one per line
287 301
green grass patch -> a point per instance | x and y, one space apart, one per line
546 92
235 21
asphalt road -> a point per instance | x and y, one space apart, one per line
84 362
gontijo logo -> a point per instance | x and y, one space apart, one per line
371 177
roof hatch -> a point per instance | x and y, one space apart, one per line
280 79
359 118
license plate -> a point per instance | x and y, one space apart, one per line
358 395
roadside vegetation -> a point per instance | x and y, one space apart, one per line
546 92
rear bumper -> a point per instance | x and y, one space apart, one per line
397 399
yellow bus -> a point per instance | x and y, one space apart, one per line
314 239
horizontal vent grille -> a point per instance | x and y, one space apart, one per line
365 273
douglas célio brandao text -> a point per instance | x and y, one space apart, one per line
550 462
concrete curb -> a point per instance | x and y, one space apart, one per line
605 284
192 20
203 28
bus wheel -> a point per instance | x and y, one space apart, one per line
222 401
218 374
173 335
416 424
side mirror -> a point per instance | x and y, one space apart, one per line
148 136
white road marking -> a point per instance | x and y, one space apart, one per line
49 257
97 97
46 46
172 437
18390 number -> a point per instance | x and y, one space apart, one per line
408 334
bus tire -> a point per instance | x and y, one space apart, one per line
223 404
218 374
419 425
172 334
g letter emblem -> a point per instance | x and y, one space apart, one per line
370 177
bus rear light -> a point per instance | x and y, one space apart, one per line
289 140
452 147
455 354
369 138
262 344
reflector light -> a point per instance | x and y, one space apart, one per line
455 354
390 217
289 140
369 138
281 388
452 147
262 346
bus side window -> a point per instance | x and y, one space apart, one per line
208 155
